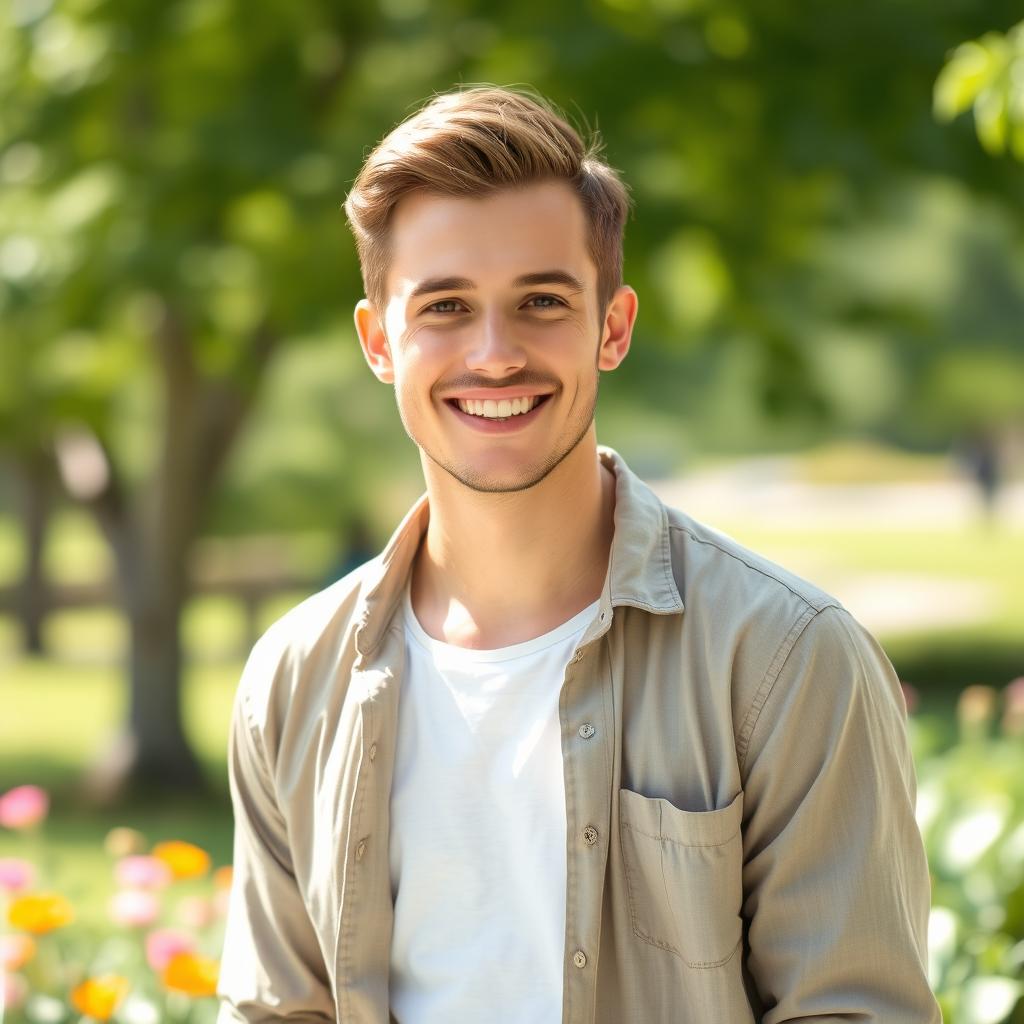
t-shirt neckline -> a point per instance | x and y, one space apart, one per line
441 648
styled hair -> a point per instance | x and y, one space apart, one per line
470 143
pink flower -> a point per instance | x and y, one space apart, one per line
134 908
910 697
13 990
221 901
195 912
1013 707
23 807
16 874
141 872
164 944
16 951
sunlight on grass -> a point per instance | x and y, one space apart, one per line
995 558
214 628
86 635
61 717
64 715
75 549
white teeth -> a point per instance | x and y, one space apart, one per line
497 409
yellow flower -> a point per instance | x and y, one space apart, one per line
192 974
123 842
184 859
98 997
40 912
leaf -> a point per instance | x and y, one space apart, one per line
971 68
991 122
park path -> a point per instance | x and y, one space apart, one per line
768 492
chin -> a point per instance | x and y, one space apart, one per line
509 475
495 484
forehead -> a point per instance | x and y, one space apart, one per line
489 240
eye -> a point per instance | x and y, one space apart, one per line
547 301
435 307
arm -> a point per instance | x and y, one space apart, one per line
835 881
272 968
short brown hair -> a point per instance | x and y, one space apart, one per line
471 142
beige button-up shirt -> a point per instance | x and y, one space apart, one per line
739 796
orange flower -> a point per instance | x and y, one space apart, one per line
40 912
222 877
16 951
98 997
184 859
192 974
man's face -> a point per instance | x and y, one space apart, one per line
491 332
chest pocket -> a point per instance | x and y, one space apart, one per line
684 876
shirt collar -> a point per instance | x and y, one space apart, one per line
639 569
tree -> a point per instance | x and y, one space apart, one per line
165 166
169 226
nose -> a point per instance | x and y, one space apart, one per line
494 350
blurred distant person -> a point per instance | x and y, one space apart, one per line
978 453
559 753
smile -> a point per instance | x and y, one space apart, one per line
498 415
498 410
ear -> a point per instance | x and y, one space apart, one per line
374 342
617 329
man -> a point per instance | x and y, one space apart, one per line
559 753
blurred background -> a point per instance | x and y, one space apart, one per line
828 245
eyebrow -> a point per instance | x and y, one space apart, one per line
448 284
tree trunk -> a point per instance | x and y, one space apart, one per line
36 505
152 752
152 539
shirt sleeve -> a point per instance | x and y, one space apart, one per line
835 880
272 967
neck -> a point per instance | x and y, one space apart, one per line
498 569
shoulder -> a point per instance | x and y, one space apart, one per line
782 634
705 557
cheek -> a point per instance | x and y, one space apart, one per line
413 381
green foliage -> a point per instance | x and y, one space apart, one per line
988 75
810 248
971 811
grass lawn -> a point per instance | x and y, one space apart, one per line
62 714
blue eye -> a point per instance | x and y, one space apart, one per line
555 302
433 308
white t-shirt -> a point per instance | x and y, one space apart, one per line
477 849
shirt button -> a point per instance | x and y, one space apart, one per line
590 835
577 657
579 958
373 751
360 849
587 730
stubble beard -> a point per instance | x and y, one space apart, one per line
483 484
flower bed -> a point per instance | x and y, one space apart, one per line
154 961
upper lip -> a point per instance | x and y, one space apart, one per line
495 394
